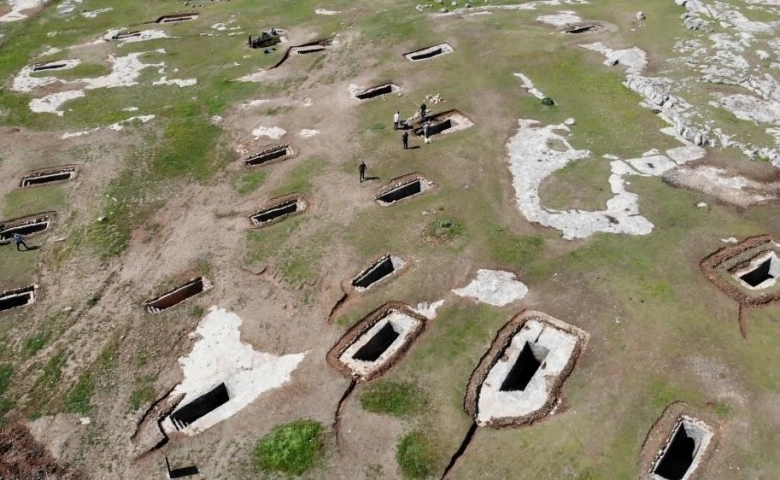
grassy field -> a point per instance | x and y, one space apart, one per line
659 331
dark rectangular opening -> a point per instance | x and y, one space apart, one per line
305 50
199 407
121 35
583 29
429 54
267 155
678 456
275 212
264 41
27 228
375 92
524 369
183 472
376 272
48 66
439 127
47 177
399 193
16 298
379 343
758 275
169 299
177 18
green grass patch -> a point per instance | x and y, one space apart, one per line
301 176
263 243
300 265
415 455
582 185
6 372
21 202
399 399
52 372
292 448
142 395
34 344
445 229
187 149
83 70
79 397
249 182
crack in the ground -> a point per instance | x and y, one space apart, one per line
461 450
337 416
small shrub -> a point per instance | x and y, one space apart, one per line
291 448
548 102
400 399
414 455
445 229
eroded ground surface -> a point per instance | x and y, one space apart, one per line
601 167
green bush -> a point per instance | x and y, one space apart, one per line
291 448
548 102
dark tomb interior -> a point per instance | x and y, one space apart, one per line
200 406
377 272
304 51
379 343
267 156
275 212
16 300
430 54
179 295
758 275
41 179
48 66
523 370
375 92
24 229
583 29
678 457
399 193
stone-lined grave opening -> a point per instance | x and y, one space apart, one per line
748 272
48 175
684 450
178 295
591 27
403 188
177 17
25 226
378 271
53 65
377 342
268 155
123 35
200 407
377 91
429 52
445 123
17 298
527 364
278 210
313 47
518 381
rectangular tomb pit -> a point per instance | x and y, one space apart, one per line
190 413
177 295
403 188
378 91
429 52
25 226
278 210
19 297
46 176
748 272
446 123
380 270
313 47
177 17
268 155
519 379
684 450
377 342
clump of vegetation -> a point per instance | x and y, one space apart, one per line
445 229
79 397
415 455
249 182
291 448
34 344
197 311
6 371
400 399
548 102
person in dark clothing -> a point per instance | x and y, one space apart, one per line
423 110
19 240
405 139
362 169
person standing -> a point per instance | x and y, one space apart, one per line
396 120
425 132
423 110
19 240
405 139
362 169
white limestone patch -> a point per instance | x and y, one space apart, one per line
748 107
254 103
685 154
142 36
560 19
531 161
513 7
428 310
528 85
53 102
19 6
114 126
307 133
274 133
50 51
219 356
28 80
95 13
322 11
257 76
719 182
634 58
655 165
494 287
179 82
